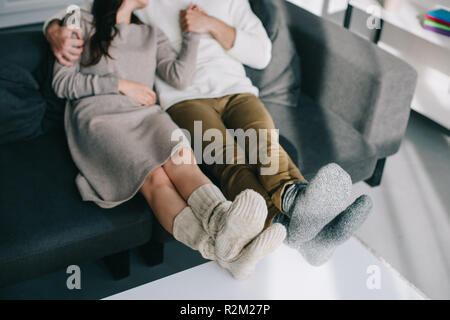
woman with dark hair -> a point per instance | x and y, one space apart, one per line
120 139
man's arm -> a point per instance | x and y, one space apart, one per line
246 40
195 19
66 49
252 45
223 33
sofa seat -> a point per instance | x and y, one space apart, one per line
44 225
314 136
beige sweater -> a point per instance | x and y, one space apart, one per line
114 141
219 72
138 51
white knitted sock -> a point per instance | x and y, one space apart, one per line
203 201
243 266
239 224
188 230
231 224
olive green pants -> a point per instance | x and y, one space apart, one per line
240 111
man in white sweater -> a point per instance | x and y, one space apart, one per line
222 97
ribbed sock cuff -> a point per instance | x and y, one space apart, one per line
289 195
281 218
183 220
188 230
203 201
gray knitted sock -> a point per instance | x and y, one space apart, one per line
318 250
313 206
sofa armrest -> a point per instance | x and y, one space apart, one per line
368 87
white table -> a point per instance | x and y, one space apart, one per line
285 275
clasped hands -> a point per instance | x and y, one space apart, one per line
195 19
192 19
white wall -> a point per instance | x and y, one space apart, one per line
15 13
432 62
319 7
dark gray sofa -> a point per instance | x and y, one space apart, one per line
353 110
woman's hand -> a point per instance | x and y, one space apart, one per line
139 92
195 19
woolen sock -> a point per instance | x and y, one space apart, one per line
312 207
320 249
231 224
188 230
203 201
243 266
239 223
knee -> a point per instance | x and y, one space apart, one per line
184 156
186 153
157 179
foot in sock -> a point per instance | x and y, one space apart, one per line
320 249
312 206
188 230
231 224
239 223
243 266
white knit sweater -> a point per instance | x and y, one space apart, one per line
219 72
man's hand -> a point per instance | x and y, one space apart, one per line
139 92
66 49
195 19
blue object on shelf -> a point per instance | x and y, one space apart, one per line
441 14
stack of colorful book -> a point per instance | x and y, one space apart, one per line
438 21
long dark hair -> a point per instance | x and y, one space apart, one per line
105 15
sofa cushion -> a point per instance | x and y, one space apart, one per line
45 225
31 51
280 82
21 104
54 113
160 235
24 48
314 136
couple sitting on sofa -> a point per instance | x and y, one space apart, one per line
122 141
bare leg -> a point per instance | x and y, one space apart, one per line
163 198
186 177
